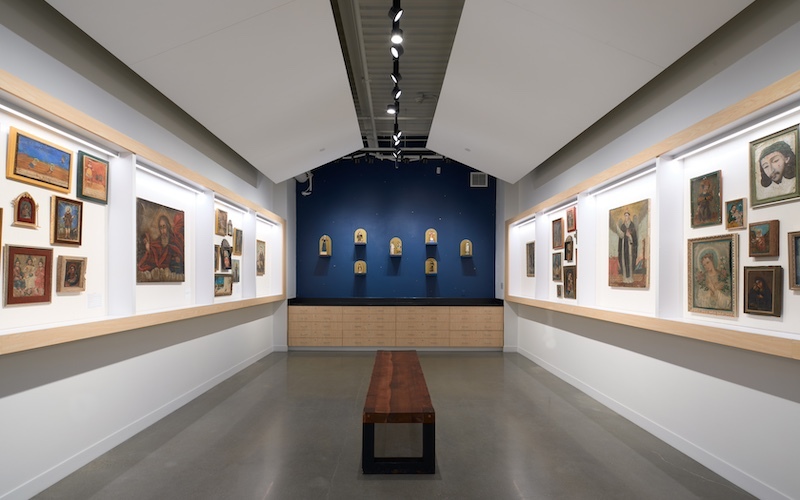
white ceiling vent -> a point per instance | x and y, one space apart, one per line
478 180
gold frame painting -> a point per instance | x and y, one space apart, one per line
38 162
712 264
66 221
629 245
26 211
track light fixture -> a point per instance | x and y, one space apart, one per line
393 109
395 76
397 34
396 12
397 51
396 92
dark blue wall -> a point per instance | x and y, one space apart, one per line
400 200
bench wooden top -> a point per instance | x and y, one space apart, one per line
397 390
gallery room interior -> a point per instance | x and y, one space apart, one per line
232 232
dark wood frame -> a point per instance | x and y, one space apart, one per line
570 271
12 253
794 256
558 244
773 278
56 202
773 249
560 268
716 205
225 247
89 163
572 212
530 259
220 222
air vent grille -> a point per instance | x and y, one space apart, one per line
478 180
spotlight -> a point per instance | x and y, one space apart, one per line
397 34
396 12
395 76
396 92
392 109
397 51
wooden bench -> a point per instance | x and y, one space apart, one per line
398 394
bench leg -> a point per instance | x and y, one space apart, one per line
398 465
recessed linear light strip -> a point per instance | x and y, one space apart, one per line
562 206
266 221
163 177
737 133
624 180
525 222
58 131
230 205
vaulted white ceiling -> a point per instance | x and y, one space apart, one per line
268 77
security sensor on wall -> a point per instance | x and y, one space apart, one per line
303 178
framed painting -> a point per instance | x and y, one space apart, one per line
736 214
159 243
238 237
706 199
360 236
216 257
557 266
66 221
71 274
571 219
712 265
764 238
26 211
560 291
235 270
569 249
221 226
763 289
570 282
629 245
225 255
223 285
773 168
261 257
230 228
29 275
92 178
794 259
530 259
558 234
38 162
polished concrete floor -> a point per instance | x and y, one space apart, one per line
289 427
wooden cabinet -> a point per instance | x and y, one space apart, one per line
400 326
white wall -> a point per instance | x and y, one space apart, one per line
735 411
64 405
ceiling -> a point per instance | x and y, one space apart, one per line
499 85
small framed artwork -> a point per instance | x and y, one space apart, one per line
223 285
360 236
558 234
38 162
230 228
571 219
360 267
569 249
225 255
70 274
764 238
736 214
66 221
216 257
559 291
763 290
395 247
26 211
706 199
325 243
530 259
712 265
92 178
238 239
29 275
221 227
431 267
465 248
557 266
235 270
431 236
773 168
261 257
794 259
570 282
